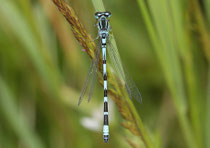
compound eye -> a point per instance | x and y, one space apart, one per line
108 14
97 15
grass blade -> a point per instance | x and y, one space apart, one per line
177 10
207 9
162 37
207 131
23 33
17 121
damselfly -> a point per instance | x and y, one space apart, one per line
133 92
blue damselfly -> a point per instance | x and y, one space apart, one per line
133 92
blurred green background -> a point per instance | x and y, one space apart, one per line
164 44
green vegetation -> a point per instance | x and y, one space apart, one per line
164 44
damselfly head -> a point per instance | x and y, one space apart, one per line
99 14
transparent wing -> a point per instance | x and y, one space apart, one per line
90 77
95 66
122 73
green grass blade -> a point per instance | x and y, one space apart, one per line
22 31
207 9
98 5
207 131
17 121
184 50
167 53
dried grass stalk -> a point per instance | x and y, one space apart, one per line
78 29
